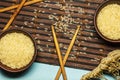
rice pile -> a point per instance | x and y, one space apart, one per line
16 50
108 21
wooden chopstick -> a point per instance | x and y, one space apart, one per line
15 6
68 51
59 54
14 15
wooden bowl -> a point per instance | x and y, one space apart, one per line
6 68
102 5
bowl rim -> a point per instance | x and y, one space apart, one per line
6 68
104 3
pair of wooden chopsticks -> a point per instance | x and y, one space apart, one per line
15 6
59 54
62 63
17 11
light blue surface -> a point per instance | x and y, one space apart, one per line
40 71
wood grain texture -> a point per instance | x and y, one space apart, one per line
88 49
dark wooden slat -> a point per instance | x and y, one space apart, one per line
69 64
40 54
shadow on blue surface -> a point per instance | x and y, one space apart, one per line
15 75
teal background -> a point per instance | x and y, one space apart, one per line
40 71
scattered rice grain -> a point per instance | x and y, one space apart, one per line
36 38
26 23
54 13
84 48
38 27
30 26
39 11
54 51
42 24
49 34
101 50
82 41
96 38
33 19
65 47
16 26
49 40
91 34
93 60
87 26
37 34
41 49
89 38
43 11
21 27
35 16
47 45
49 50
61 45
89 4
38 41
79 44
50 8
31 22
46 5
97 59
35 10
85 38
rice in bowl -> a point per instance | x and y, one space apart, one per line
16 50
108 21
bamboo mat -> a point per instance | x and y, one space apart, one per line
37 19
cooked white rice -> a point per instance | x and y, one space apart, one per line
108 21
16 50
